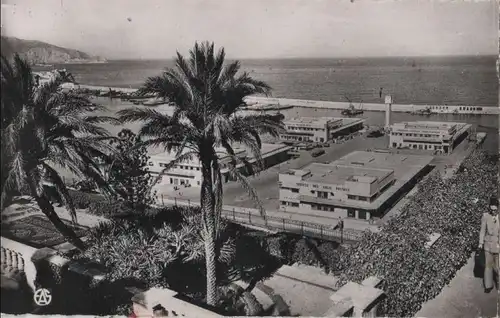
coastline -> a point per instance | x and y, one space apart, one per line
282 103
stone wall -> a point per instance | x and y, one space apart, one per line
357 300
145 304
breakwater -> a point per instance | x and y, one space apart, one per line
434 109
266 102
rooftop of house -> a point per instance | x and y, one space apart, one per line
428 125
339 174
311 120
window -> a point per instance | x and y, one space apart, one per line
295 204
351 197
295 190
351 213
198 182
323 195
362 215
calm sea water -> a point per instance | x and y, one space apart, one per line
452 81
436 80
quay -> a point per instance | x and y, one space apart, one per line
255 101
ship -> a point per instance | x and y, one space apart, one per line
424 112
351 110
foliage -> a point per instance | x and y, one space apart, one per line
156 249
128 174
235 301
443 206
206 95
45 128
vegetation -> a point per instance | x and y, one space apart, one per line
451 207
164 248
42 128
207 96
128 174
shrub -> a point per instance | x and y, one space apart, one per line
83 200
414 274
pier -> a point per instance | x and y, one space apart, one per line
267 103
433 109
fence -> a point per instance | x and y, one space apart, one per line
253 217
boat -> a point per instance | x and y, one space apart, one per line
351 110
424 112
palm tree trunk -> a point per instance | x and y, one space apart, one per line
49 212
207 208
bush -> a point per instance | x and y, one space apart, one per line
83 200
414 274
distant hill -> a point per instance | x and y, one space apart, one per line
38 52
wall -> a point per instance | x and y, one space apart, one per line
375 107
76 288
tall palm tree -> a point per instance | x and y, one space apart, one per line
207 95
45 128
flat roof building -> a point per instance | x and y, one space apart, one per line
426 135
188 173
322 129
361 185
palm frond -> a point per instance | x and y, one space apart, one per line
56 180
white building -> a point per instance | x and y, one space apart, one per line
426 135
360 185
189 173
314 129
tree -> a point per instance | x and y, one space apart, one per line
128 174
45 128
207 96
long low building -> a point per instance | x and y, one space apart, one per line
361 185
314 129
188 173
428 135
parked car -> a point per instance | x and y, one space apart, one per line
317 152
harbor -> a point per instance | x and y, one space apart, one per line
259 103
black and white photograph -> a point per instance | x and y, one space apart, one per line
286 158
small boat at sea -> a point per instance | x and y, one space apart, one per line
351 110
424 112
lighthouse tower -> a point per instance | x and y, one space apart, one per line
388 110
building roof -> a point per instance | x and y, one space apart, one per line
311 120
339 174
433 125
401 164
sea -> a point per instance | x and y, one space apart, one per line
464 80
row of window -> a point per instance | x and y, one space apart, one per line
294 190
292 204
304 128
414 135
351 213
178 181
470 108
421 146
164 165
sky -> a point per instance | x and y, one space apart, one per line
130 29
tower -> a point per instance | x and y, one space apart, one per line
388 110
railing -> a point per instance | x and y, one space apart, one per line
16 259
253 217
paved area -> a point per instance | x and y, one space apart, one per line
464 297
266 187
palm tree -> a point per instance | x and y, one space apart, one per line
207 96
44 128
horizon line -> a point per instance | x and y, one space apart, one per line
316 57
